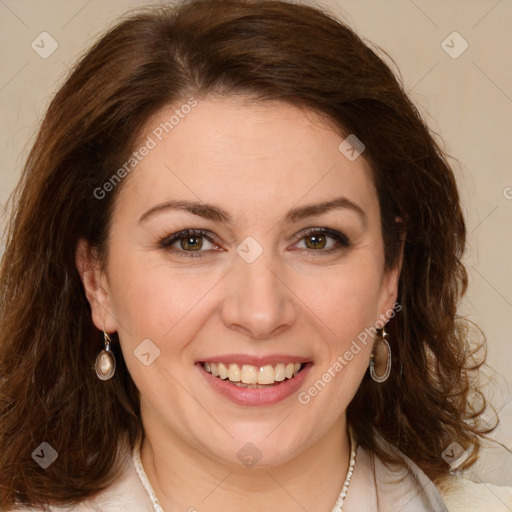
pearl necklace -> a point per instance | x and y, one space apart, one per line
158 508
338 506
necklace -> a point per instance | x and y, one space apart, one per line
338 506
158 508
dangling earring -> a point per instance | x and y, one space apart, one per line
105 365
385 375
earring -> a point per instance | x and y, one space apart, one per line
385 375
105 365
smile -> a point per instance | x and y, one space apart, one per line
250 376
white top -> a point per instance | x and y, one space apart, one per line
371 490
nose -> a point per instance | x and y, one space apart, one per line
258 303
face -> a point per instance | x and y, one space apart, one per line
245 237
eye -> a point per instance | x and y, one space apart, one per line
195 242
187 242
322 240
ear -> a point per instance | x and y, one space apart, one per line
391 277
94 280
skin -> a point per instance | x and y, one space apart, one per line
256 162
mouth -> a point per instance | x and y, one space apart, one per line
255 381
254 377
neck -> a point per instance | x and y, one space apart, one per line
184 478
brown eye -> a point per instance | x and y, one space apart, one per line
322 240
191 243
315 241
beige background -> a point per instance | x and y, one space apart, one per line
467 101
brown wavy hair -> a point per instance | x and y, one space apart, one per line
266 50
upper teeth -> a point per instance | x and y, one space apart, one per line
249 374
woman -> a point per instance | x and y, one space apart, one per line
231 280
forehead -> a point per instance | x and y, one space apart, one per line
245 155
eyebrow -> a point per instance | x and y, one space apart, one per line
217 214
207 211
311 210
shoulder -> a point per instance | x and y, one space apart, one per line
126 495
461 495
452 494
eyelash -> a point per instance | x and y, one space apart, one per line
342 240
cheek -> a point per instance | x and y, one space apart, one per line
146 300
345 299
159 304
345 306
159 301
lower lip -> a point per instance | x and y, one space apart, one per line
256 396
